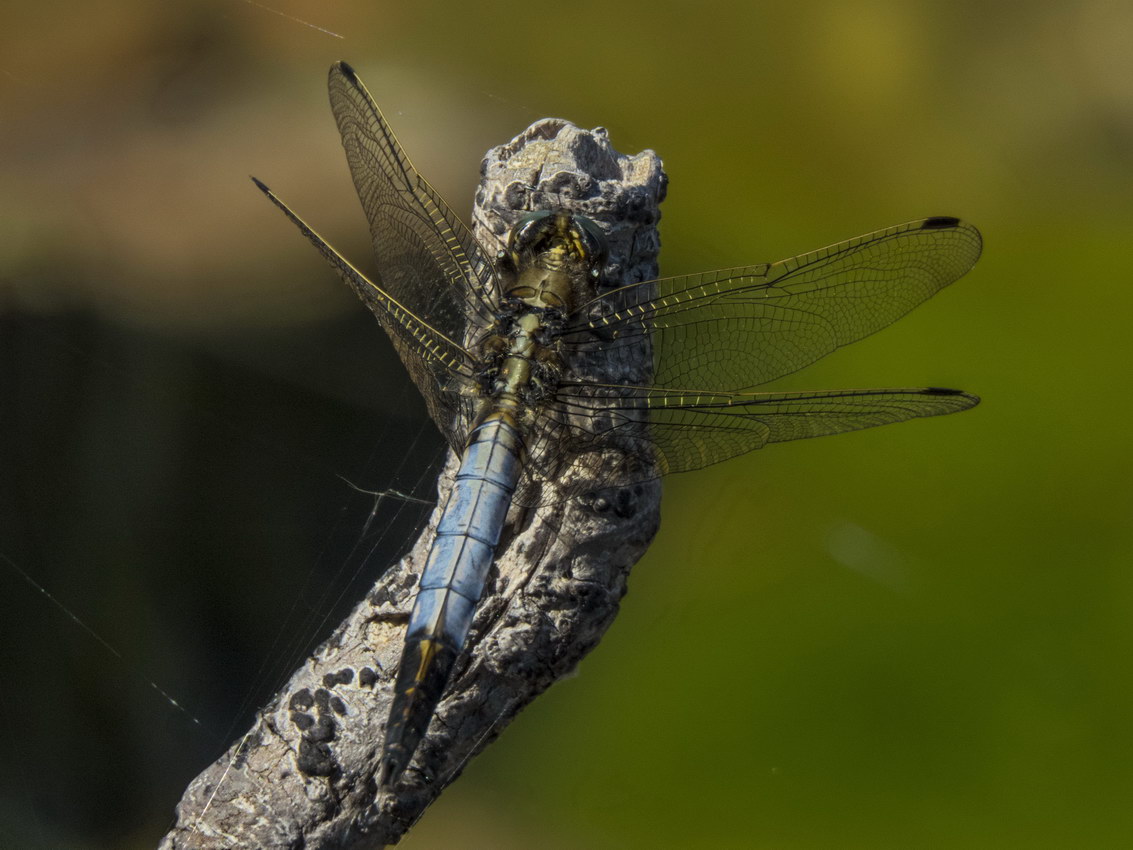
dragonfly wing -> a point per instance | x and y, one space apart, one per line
621 435
738 328
690 431
433 279
427 258
439 365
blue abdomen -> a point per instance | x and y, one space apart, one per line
451 584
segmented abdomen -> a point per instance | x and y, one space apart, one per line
451 584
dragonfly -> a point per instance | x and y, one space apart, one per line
499 342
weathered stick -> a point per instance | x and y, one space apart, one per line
304 775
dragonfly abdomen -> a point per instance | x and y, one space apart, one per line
451 583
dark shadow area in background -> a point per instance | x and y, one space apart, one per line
182 499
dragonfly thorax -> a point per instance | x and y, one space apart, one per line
555 259
519 357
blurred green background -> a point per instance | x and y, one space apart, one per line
909 637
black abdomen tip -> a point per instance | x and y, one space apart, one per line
938 222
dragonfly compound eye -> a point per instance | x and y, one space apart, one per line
597 247
526 232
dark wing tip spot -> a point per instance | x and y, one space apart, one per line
969 400
939 222
347 71
260 185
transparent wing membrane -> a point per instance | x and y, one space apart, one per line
414 231
441 368
427 260
598 436
717 333
692 431
740 328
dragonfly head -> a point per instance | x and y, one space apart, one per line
557 256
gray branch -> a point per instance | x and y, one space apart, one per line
304 774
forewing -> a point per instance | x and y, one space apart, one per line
739 328
427 260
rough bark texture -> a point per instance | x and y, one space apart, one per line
304 775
